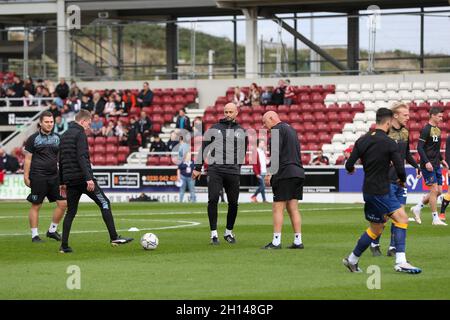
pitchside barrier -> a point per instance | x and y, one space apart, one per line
329 184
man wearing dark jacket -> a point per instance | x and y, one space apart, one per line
145 97
183 121
76 173
224 147
62 89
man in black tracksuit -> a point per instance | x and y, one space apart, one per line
224 147
76 174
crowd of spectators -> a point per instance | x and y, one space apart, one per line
284 93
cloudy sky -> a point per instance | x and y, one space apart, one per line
394 31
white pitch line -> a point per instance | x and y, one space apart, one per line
185 212
186 224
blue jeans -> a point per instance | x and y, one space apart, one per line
187 182
261 188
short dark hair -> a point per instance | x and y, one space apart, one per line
383 115
44 115
82 115
435 110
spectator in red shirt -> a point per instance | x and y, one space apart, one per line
289 94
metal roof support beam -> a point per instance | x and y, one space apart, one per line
353 42
172 49
251 42
306 41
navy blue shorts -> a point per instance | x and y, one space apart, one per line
376 207
399 192
432 177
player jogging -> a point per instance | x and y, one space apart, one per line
41 175
429 148
400 134
376 151
76 173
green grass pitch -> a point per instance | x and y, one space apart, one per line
185 266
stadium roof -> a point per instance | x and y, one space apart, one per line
328 5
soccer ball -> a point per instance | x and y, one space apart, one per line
149 241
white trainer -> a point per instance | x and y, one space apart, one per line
438 222
407 268
416 212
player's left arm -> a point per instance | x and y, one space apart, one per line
397 161
354 156
410 159
83 157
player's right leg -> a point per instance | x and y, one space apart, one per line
373 232
36 197
215 186
102 201
435 191
400 222
296 221
444 205
277 216
73 197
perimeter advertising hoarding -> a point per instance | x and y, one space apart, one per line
354 182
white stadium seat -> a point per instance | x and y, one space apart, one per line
349 127
444 85
338 138
330 99
342 87
359 117
404 86
367 96
379 87
327 148
366 87
430 85
392 86
418 86
354 87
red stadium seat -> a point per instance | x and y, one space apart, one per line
111 149
111 160
100 140
99 160
165 161
156 127
122 158
99 148
112 140
306 158
90 141
153 161
123 150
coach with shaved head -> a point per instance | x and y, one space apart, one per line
224 147
287 182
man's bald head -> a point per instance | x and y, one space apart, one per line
270 119
230 111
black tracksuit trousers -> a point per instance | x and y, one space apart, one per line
74 193
217 181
